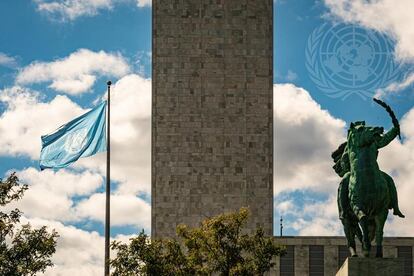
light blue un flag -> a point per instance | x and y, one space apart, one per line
81 137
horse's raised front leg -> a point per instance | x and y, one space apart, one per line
379 227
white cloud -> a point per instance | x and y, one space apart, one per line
130 135
78 252
142 62
7 61
76 73
324 222
26 118
398 159
394 18
50 193
395 87
144 3
130 132
284 207
73 9
291 76
389 16
131 143
315 218
125 210
305 136
131 123
320 226
55 196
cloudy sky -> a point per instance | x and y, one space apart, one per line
56 55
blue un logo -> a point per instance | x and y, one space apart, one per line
344 60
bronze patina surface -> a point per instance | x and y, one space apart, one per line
365 192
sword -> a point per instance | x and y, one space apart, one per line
391 113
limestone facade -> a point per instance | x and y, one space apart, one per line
212 111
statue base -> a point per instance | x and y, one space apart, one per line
359 266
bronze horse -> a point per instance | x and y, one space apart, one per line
365 193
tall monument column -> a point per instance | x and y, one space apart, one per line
212 111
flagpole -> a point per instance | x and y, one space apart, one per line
108 183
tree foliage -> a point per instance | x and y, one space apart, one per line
145 257
23 250
219 246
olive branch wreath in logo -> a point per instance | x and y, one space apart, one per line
382 69
76 141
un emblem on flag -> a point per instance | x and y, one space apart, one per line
344 60
76 140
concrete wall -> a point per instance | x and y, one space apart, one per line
331 245
372 267
212 116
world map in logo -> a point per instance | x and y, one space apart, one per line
76 140
344 60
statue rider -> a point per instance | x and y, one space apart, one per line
342 168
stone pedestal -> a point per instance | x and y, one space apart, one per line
372 267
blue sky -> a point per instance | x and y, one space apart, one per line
55 58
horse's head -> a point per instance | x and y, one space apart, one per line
361 135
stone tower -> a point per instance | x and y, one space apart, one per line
212 111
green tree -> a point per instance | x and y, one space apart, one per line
219 246
23 250
143 256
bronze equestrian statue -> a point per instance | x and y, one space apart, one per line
365 193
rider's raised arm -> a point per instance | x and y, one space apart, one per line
385 139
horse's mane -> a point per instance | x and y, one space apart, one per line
341 160
336 155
